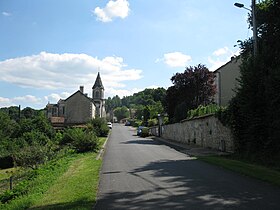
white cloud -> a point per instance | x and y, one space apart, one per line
66 71
6 14
220 57
27 100
175 59
54 97
113 9
6 102
221 51
110 92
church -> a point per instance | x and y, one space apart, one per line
78 108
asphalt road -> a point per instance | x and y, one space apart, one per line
140 173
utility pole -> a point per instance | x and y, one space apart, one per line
254 27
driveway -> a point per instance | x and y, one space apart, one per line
139 173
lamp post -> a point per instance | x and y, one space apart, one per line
253 12
159 125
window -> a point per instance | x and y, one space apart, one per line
97 94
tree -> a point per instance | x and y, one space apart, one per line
255 110
194 87
28 112
121 112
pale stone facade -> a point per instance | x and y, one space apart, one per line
78 108
226 81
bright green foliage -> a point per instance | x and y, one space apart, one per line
152 122
203 110
31 184
147 103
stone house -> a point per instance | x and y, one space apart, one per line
78 108
226 81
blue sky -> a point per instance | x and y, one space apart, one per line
48 48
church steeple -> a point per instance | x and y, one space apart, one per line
98 82
98 97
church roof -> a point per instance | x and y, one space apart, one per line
98 82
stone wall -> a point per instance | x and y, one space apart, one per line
205 131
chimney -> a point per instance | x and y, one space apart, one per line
82 89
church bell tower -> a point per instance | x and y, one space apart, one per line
98 97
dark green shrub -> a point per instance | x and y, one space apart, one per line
88 142
99 127
145 132
32 155
80 140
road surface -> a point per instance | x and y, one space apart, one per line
140 173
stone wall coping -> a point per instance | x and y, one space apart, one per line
199 117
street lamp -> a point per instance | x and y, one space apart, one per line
253 12
159 125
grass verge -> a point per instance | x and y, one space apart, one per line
248 169
76 189
69 182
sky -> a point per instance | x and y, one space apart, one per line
49 48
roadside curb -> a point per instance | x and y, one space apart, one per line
102 149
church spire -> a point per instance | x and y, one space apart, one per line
98 82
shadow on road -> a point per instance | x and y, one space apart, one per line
142 141
191 184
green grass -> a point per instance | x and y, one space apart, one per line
248 169
76 189
45 177
101 141
67 183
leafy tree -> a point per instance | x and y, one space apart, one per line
194 87
121 112
12 111
7 126
254 112
28 112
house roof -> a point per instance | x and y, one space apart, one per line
235 59
98 82
79 92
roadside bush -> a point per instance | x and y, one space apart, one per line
89 142
145 132
99 127
80 140
134 122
